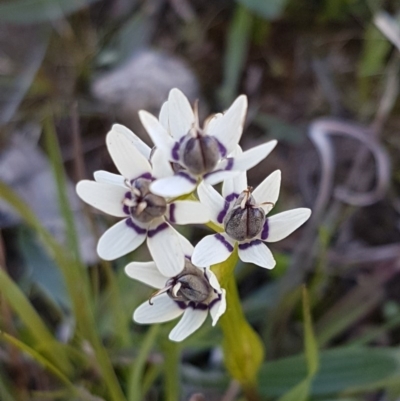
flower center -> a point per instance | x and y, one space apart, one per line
142 204
200 153
191 285
245 220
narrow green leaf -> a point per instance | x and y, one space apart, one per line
341 369
310 341
268 9
78 288
45 341
55 157
79 392
135 389
236 53
34 11
301 391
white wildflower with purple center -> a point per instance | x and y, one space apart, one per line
193 293
240 214
198 153
145 214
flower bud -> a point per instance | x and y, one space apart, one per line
191 285
147 206
200 154
245 220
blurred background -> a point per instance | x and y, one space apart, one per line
321 76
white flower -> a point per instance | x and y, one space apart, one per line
199 153
145 215
194 292
241 213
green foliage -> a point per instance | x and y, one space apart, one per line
302 390
342 369
34 11
236 53
268 9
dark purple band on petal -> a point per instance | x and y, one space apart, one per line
128 195
247 245
232 197
161 227
214 301
172 208
126 210
224 242
230 163
224 211
175 151
265 230
187 176
138 229
147 176
228 167
221 148
196 306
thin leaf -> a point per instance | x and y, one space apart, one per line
80 393
45 341
341 369
267 9
236 53
34 11
301 391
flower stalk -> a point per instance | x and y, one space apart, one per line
243 349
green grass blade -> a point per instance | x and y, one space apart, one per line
301 391
78 287
34 11
78 392
44 339
236 53
135 389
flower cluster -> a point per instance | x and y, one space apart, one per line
155 190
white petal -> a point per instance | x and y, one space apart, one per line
165 248
129 161
147 273
228 128
105 177
268 190
106 197
283 224
191 320
212 249
162 310
186 246
188 212
180 113
172 187
212 279
219 308
120 239
219 175
157 132
141 146
253 156
161 165
214 202
235 185
163 116
258 253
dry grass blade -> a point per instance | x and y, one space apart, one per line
319 132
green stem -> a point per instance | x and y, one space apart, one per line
171 373
243 349
135 389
